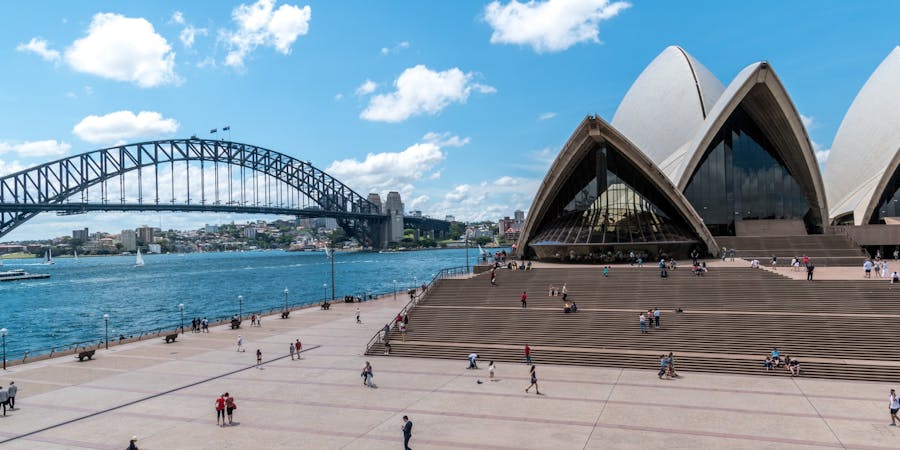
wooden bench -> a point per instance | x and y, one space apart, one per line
235 324
171 338
285 314
89 354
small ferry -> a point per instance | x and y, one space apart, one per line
19 274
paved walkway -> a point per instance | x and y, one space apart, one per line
164 393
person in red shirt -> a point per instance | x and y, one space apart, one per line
298 347
527 354
523 298
220 409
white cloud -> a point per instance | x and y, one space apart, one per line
7 168
36 149
189 33
208 61
420 90
395 49
821 153
436 175
549 26
487 200
445 139
124 49
177 17
380 172
121 125
547 115
338 97
39 47
366 88
416 202
807 121
260 24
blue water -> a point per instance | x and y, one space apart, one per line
69 306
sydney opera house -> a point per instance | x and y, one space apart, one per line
687 163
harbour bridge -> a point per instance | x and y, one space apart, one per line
200 175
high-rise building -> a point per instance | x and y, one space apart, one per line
81 235
145 234
450 218
519 215
394 208
129 240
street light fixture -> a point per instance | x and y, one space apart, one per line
285 299
325 291
181 307
106 320
3 333
395 289
240 307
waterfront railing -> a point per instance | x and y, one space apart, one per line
417 293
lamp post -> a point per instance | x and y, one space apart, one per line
325 291
395 289
285 299
240 307
106 321
181 307
467 250
3 333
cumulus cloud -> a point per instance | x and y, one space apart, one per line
394 49
39 47
380 172
366 88
488 200
547 116
260 24
549 26
338 97
37 149
121 125
7 168
177 18
807 121
189 33
420 90
124 49
821 152
445 139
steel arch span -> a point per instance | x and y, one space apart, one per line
157 176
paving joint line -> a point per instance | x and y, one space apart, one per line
813 406
149 397
603 408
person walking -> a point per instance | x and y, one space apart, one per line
656 314
524 297
774 262
533 382
4 399
230 406
895 406
240 343
298 347
12 391
407 432
220 409
368 375
564 292
867 267
358 321
643 320
131 444
809 271
527 354
491 371
291 350
258 358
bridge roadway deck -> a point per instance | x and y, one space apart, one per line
319 402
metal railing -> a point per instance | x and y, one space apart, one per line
416 294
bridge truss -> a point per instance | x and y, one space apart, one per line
185 175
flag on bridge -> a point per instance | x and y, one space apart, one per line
228 128
213 130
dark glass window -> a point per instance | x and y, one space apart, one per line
742 177
606 200
889 203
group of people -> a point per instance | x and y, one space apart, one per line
8 397
295 348
774 361
667 366
649 319
256 320
881 269
225 405
199 325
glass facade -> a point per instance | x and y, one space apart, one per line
607 202
889 203
742 177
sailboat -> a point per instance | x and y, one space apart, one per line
139 261
76 255
48 257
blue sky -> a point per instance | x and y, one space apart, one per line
459 105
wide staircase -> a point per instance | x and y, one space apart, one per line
822 249
732 317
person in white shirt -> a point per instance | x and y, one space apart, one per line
895 277
895 406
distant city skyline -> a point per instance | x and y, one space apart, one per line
460 107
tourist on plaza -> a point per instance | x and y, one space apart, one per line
724 253
402 329
896 254
491 370
895 406
291 350
534 382
357 316
12 391
774 262
605 271
867 267
794 367
643 320
805 260
795 264
552 291
132 444
731 253
564 291
527 354
754 264
387 349
230 406
776 356
656 315
4 399
298 347
205 325
473 361
884 269
385 332
240 343
407 432
367 375
671 365
663 366
895 277
877 267
220 409
650 318
768 363
809 271
524 297
694 256
631 258
258 358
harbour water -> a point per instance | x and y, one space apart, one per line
69 306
